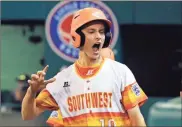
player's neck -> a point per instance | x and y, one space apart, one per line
85 61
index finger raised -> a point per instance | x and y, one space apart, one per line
46 68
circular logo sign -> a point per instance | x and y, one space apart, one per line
58 25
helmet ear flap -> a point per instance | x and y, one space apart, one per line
82 37
108 37
75 39
78 38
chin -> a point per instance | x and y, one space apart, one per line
95 57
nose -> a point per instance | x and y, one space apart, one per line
98 36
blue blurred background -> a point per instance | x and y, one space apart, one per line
149 42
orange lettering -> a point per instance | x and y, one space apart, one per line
110 95
94 100
74 103
82 101
78 101
100 100
88 100
70 104
106 100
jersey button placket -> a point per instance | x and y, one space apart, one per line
88 85
87 90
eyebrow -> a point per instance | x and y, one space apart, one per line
95 29
90 29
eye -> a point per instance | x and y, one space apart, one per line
102 31
91 31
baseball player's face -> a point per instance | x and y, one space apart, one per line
94 39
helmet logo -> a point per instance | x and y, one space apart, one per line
58 25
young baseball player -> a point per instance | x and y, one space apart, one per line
94 91
55 119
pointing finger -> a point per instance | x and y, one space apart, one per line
45 69
41 73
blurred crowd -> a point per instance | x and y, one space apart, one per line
11 100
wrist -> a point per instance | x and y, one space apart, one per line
31 93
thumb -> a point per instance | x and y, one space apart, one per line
49 81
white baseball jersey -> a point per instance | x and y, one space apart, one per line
98 100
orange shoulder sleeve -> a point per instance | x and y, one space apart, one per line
46 101
133 95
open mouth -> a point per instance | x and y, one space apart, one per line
96 46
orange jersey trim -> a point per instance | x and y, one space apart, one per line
93 119
55 119
54 123
82 71
98 114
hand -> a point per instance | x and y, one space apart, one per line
38 82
